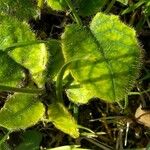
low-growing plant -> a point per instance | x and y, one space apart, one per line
101 58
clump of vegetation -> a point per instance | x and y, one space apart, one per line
67 82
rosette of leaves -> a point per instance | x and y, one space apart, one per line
19 51
22 9
107 58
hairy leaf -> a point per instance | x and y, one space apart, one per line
56 59
30 141
32 57
57 4
78 94
21 111
62 119
22 9
11 74
112 53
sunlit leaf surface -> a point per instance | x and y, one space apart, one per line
21 111
111 56
62 119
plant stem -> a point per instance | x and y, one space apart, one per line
5 138
59 82
22 44
21 90
132 19
110 6
77 18
98 143
125 103
59 85
85 128
138 93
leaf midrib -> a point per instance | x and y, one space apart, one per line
109 66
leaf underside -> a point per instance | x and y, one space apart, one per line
21 111
62 119
111 57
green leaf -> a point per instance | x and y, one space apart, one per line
32 57
69 147
23 9
21 111
88 7
78 94
124 2
62 119
111 56
31 141
56 59
11 74
58 5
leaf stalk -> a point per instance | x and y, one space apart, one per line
77 18
21 90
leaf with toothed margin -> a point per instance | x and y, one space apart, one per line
21 111
114 56
62 119
33 57
11 74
